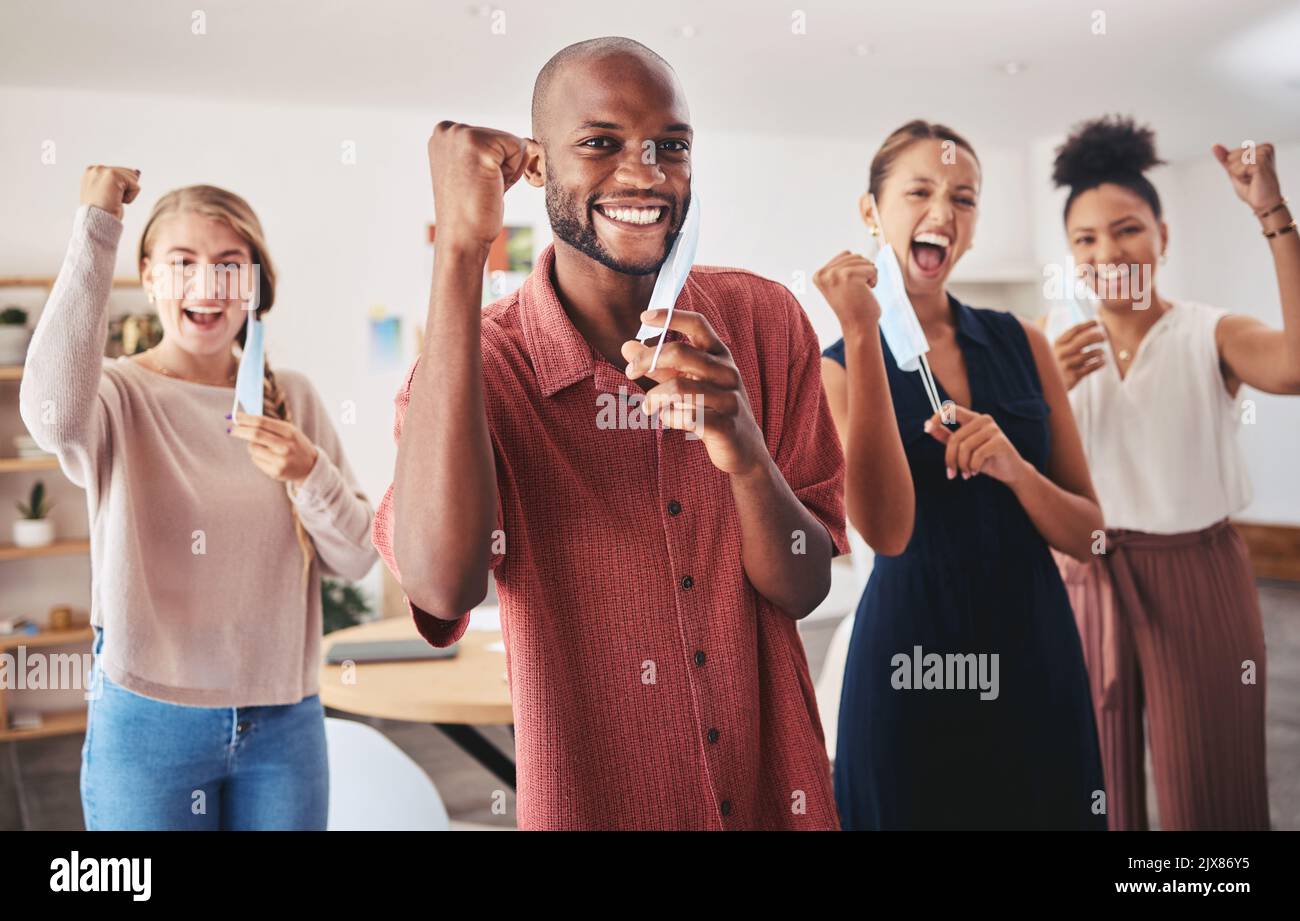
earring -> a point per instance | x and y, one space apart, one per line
1163 258
874 230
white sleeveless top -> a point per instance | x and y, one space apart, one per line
1162 443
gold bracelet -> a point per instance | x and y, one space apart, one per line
1278 207
1288 228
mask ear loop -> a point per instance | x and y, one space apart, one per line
658 348
670 265
927 376
649 332
932 390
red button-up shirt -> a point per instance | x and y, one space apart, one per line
653 686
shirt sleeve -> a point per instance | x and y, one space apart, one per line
331 504
808 451
436 631
63 394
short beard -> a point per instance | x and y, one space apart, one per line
571 223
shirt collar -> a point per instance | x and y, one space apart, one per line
969 325
560 355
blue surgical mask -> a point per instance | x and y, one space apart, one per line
252 368
898 320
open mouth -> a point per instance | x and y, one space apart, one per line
1118 281
632 216
930 253
204 318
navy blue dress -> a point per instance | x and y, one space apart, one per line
976 579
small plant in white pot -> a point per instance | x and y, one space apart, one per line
14 336
34 529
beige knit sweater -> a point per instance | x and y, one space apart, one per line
196 572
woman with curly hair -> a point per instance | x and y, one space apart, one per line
1169 613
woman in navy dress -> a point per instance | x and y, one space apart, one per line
965 701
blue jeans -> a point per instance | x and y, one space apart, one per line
151 765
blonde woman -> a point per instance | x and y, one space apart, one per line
208 535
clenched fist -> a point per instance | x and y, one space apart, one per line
846 282
108 188
471 170
1252 173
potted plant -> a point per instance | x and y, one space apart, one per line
342 605
14 336
34 529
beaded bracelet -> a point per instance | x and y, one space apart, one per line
1288 228
1278 207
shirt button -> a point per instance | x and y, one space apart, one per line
674 507
687 582
699 657
713 735
726 807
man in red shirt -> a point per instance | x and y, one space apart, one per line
650 573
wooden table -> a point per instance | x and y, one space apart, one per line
455 695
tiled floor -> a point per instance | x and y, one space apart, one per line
39 778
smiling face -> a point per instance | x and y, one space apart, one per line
928 204
1116 240
201 312
615 160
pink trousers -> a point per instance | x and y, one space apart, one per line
1171 624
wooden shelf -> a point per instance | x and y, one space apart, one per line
19 464
47 638
57 722
53 723
58 548
47 281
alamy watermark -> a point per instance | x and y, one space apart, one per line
1107 282
930 671
624 411
177 280
40 671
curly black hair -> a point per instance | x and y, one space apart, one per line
1112 149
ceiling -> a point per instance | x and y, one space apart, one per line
1189 68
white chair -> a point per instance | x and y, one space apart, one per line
375 786
830 682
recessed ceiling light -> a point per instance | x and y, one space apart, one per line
686 31
862 49
481 10
1012 68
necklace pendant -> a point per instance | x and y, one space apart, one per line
1123 355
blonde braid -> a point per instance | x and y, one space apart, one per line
275 406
